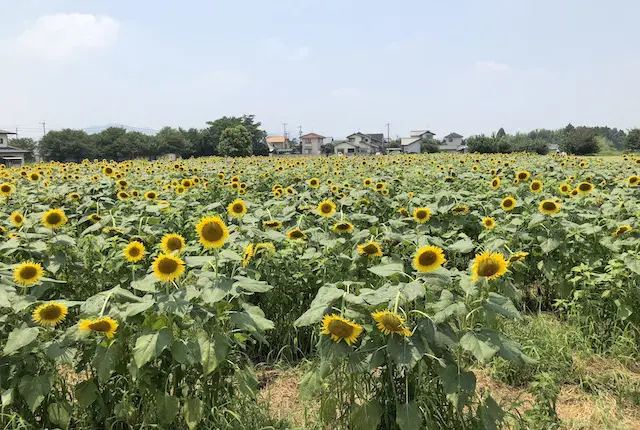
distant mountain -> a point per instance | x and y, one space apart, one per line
99 128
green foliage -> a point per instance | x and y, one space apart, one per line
66 145
25 143
632 141
429 145
235 142
580 141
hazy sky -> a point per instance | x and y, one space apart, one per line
331 66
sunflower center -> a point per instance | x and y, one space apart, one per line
6 188
508 203
488 268
427 258
391 322
54 218
325 208
152 195
340 329
495 183
421 214
134 252
535 186
297 234
28 272
370 249
34 177
549 206
174 244
237 208
167 266
212 232
343 226
101 326
622 230
584 187
18 218
522 176
51 312
633 179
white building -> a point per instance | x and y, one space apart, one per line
360 143
411 144
10 156
453 142
312 143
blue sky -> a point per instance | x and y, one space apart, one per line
333 67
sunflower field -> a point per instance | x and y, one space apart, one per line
144 294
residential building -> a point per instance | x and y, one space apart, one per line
10 156
453 142
360 143
411 144
278 143
312 143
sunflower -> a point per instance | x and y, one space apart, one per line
489 265
123 195
523 175
94 218
460 209
248 254
17 219
390 322
564 188
508 203
549 207
517 256
326 208
266 248
314 182
54 218
237 208
367 182
50 314
167 267
340 329
187 183
34 176
621 230
108 171
74 196
213 232
370 249
343 227
27 273
634 180
428 259
296 234
421 215
489 223
180 189
2 230
535 186
584 188
272 225
105 325
134 252
150 195
404 212
6 189
172 243
495 183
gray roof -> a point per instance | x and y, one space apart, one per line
376 136
453 135
6 132
12 150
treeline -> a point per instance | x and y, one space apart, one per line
572 140
227 136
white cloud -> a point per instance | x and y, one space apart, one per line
61 35
492 66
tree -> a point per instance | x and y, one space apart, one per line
260 148
211 136
632 141
579 140
104 143
134 144
396 143
235 142
170 141
329 148
25 143
429 144
483 144
501 133
66 145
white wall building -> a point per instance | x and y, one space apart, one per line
312 143
10 156
411 144
453 142
360 143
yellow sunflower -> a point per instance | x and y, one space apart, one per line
403 211
54 218
134 251
489 223
74 196
237 208
123 195
390 322
523 175
564 188
150 195
489 265
17 219
367 182
549 207
495 183
266 248
50 314
517 256
94 218
343 227
167 267
213 232
104 325
633 180
370 249
340 329
508 203
584 188
6 189
535 186
421 215
460 209
314 182
272 225
326 208
428 259
27 273
172 243
296 234
248 254
621 230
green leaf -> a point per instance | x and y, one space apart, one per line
60 414
19 338
86 392
500 305
7 397
482 350
167 407
217 290
409 416
213 351
61 353
536 219
105 360
192 412
199 261
549 245
446 306
184 352
367 415
462 246
403 351
386 270
323 299
412 291
150 346
228 255
251 285
34 389
146 284
247 382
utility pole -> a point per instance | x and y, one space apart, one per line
44 128
284 127
388 135
17 136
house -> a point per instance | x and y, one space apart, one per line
360 143
312 143
453 142
10 156
411 144
277 143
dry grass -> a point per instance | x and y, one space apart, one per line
280 393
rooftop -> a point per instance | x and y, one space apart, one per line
6 132
453 135
276 139
312 135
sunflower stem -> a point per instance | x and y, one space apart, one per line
395 307
104 305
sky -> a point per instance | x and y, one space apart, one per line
333 67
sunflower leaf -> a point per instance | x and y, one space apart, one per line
150 346
386 270
409 416
19 338
192 412
481 349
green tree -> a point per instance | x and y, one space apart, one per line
170 141
25 143
104 143
483 144
328 148
396 143
133 144
579 140
211 136
632 141
501 133
66 145
235 142
430 145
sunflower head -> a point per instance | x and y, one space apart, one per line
54 218
340 329
495 183
403 211
172 243
167 267
535 186
508 203
296 234
460 209
523 175
6 189
314 182
633 180
421 215
272 225
621 230
104 325
50 314
17 219
94 218
564 188
390 322
237 208
428 258
489 265
326 208
28 273
584 188
150 195
549 207
248 254
212 231
370 249
367 182
343 227
488 223
517 256
123 195
134 251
